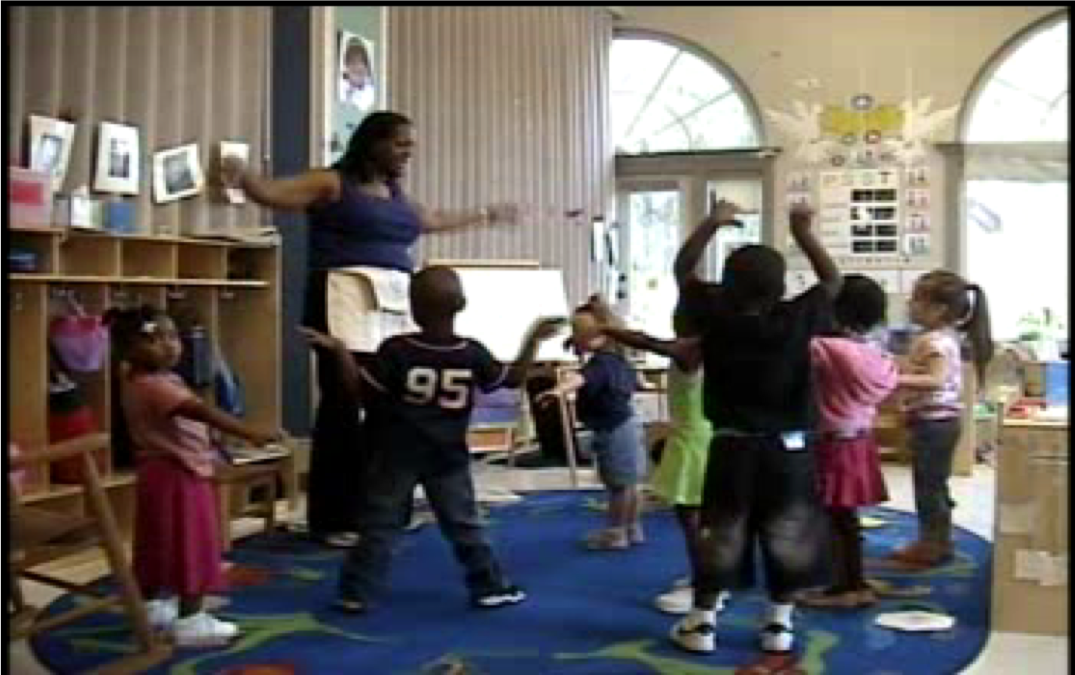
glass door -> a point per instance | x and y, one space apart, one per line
652 226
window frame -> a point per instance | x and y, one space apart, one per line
738 86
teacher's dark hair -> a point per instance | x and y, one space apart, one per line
359 160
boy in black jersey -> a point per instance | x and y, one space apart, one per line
757 392
419 392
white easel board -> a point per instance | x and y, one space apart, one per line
503 303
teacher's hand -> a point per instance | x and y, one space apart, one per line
503 213
232 170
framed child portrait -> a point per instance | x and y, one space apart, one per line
117 159
50 147
355 82
177 173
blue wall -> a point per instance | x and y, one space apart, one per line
290 148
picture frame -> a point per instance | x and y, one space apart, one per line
118 167
50 147
356 83
241 151
177 173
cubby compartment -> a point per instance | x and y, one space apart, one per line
92 386
252 264
93 255
253 354
26 376
43 246
147 259
194 311
203 262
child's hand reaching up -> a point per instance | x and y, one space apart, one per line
323 340
547 327
801 216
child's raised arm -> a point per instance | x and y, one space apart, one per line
721 213
828 274
544 329
686 352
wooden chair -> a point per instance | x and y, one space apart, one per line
41 536
244 479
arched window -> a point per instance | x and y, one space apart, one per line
1025 98
668 97
1016 226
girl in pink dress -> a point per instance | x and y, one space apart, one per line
851 378
176 557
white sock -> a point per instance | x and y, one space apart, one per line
780 613
698 616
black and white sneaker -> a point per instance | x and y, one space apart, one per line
498 597
694 634
777 638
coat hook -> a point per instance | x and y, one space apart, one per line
176 293
226 295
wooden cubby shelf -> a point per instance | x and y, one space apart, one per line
230 289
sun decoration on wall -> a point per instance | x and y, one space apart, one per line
863 133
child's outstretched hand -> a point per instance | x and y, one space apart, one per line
723 212
318 339
263 438
548 327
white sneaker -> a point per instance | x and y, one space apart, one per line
776 637
202 630
162 613
680 599
695 632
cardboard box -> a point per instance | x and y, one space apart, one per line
29 196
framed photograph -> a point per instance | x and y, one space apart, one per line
118 156
355 82
177 173
241 151
50 147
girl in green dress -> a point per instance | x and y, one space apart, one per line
680 473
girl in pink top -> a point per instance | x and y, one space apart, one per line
851 378
176 554
944 305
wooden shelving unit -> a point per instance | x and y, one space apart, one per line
232 288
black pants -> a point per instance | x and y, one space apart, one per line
846 538
757 491
338 456
386 508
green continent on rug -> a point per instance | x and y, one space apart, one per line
587 613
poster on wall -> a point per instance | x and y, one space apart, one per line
50 147
355 83
177 173
240 151
118 156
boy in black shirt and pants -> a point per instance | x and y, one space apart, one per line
759 482
419 392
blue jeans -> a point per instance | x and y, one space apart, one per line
621 459
933 445
385 512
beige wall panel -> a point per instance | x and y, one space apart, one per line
509 105
179 74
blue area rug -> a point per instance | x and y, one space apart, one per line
587 613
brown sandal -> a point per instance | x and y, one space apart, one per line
773 664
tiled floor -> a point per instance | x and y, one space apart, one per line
1005 653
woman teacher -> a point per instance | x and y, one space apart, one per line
359 220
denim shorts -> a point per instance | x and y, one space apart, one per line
621 458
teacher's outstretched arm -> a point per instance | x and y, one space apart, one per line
286 194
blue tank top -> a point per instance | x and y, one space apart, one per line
363 230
